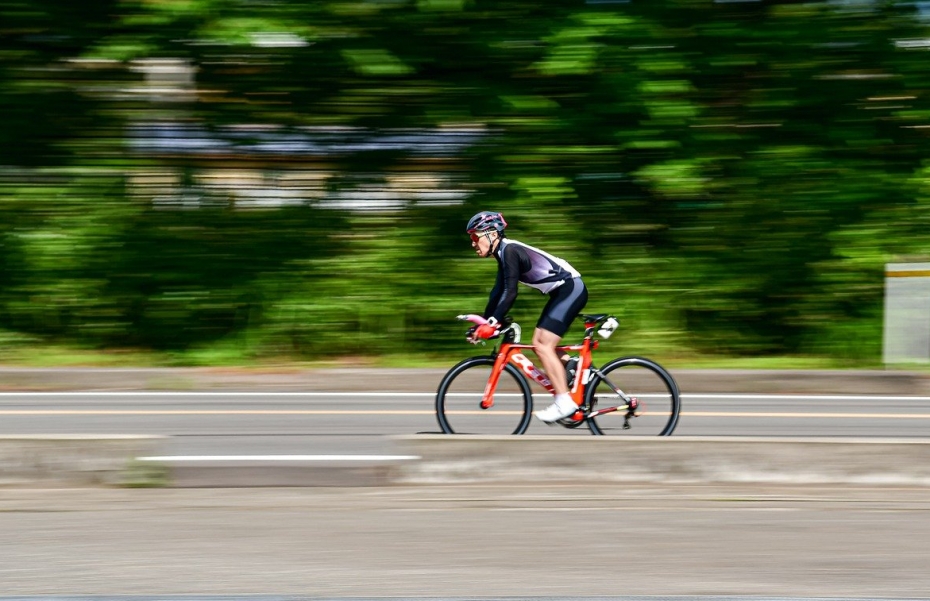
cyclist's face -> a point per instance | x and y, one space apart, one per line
482 242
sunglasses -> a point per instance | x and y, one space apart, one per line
475 237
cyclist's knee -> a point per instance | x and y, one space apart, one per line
545 340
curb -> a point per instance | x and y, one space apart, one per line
461 460
279 475
79 460
114 460
668 460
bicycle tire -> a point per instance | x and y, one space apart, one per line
644 379
458 400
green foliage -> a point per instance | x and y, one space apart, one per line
729 177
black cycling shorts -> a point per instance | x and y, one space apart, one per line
565 303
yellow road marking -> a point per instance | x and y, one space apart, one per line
79 412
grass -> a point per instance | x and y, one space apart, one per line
234 353
63 356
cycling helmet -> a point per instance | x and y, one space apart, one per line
484 221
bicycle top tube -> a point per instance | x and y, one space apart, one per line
512 329
511 353
562 347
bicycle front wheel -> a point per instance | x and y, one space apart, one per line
458 400
654 388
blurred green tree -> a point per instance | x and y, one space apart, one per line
730 176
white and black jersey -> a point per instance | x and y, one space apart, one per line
525 264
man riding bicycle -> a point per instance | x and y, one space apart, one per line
519 262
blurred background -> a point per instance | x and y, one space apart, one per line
246 181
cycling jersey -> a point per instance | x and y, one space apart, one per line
519 262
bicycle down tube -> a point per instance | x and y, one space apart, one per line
511 352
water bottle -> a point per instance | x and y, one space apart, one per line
607 328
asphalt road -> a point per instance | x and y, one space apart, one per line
469 541
466 541
263 423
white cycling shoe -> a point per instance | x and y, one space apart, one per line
559 409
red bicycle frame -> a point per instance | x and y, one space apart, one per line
511 352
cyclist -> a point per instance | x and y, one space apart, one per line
519 262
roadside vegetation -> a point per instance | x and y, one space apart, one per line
220 182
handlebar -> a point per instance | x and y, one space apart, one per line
507 326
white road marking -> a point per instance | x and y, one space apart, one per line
684 396
188 458
801 397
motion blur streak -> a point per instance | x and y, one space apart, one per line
208 181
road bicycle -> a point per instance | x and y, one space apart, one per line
491 394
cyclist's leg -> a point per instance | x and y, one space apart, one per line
544 343
565 302
563 404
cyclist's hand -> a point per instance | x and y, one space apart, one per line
486 331
470 335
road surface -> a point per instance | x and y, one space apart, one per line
263 423
471 541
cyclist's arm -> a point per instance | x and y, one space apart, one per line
505 290
495 298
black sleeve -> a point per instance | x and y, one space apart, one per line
495 297
505 290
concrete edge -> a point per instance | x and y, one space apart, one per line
79 460
279 475
114 460
671 460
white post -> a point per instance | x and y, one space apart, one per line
907 313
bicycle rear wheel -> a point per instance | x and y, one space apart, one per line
652 386
458 400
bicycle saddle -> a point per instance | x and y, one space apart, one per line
596 318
